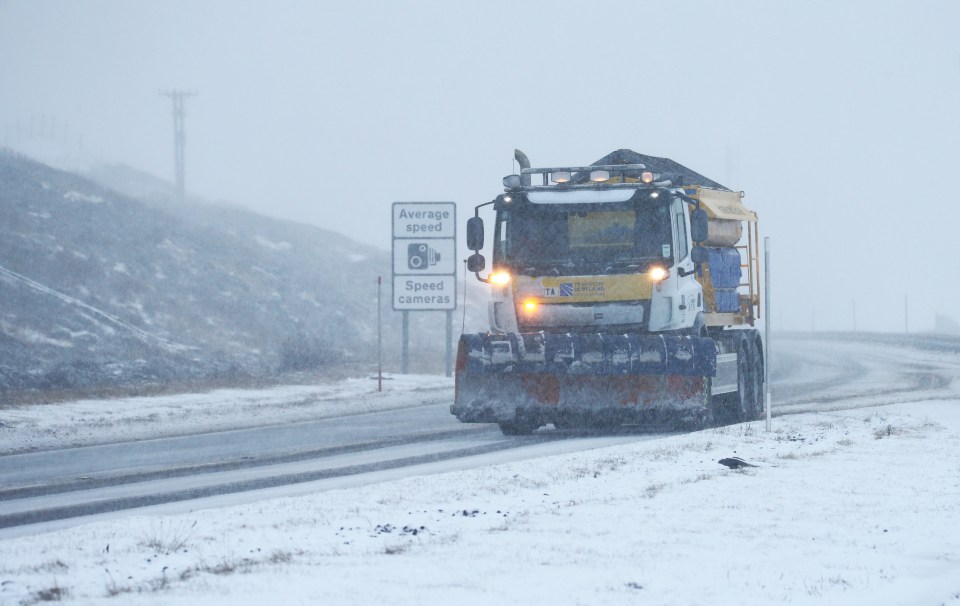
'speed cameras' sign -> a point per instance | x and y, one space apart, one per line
424 256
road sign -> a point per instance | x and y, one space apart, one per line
424 256
424 293
424 220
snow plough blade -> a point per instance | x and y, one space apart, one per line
523 381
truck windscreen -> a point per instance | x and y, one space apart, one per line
565 238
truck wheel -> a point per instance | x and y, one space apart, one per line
758 382
745 400
518 427
748 382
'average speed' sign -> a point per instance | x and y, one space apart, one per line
424 256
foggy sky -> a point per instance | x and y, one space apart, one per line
838 119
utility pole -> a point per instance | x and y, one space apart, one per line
906 315
179 138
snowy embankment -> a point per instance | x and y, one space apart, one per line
88 422
845 507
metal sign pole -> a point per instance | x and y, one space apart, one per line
379 334
405 362
766 324
449 343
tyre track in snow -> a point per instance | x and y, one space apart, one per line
97 494
71 491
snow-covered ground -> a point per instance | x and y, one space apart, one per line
844 507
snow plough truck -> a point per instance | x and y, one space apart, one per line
623 292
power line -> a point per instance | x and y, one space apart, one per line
179 137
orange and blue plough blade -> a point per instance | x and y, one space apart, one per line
563 377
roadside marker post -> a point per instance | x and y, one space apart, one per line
766 326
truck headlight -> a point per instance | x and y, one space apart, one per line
500 278
658 274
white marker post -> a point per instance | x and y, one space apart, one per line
766 325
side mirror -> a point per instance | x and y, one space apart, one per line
698 225
475 262
475 234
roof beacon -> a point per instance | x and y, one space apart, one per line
511 181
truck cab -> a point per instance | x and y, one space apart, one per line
631 253
589 261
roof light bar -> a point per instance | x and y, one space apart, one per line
613 168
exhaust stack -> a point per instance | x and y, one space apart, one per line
524 162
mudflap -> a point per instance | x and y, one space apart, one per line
584 381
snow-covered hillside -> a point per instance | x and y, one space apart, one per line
98 288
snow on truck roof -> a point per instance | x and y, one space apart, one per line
652 163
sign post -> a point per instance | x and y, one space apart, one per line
379 335
424 263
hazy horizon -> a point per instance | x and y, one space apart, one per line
830 116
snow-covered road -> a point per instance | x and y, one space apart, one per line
354 430
88 422
844 506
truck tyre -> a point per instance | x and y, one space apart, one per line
518 427
748 381
758 380
741 405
